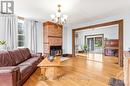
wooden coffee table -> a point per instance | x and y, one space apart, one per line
50 70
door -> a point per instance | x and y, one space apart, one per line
90 42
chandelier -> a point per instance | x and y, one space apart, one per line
58 17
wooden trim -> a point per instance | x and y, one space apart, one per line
67 55
118 22
99 25
22 18
121 43
55 36
73 42
46 42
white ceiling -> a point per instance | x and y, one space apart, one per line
77 10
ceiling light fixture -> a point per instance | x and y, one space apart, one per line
58 17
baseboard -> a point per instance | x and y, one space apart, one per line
67 55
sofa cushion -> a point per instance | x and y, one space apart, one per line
25 70
38 59
25 53
5 59
31 61
16 55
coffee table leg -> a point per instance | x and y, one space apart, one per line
43 74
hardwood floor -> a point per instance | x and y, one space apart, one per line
93 70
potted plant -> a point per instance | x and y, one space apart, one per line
85 47
2 44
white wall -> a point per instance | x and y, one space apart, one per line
64 39
125 17
110 32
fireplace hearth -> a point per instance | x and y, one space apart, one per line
55 50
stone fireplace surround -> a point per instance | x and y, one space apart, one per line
52 34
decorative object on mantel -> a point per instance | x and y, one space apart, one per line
58 17
51 58
2 44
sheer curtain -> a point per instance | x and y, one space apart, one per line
31 35
9 26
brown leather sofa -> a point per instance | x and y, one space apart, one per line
16 66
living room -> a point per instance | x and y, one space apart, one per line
64 42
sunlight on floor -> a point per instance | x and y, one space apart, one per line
95 57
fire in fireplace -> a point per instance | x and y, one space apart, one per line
55 50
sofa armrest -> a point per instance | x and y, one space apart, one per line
36 54
9 74
8 69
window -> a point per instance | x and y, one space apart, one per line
21 33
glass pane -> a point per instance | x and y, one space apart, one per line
20 28
20 31
21 37
20 25
98 42
20 44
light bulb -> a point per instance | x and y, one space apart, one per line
58 14
56 19
62 19
65 17
52 16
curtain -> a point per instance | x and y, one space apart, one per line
31 34
33 37
10 30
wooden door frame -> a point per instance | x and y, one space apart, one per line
120 33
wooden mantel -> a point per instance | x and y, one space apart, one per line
52 34
52 23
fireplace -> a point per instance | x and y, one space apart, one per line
55 50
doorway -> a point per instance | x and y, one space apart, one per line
95 43
90 43
119 23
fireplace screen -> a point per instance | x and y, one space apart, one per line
55 50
